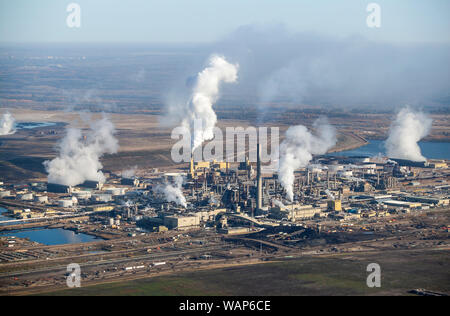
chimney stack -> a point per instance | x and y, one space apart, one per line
259 178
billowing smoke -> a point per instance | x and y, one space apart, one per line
128 203
198 114
173 193
204 95
7 124
408 128
129 173
213 201
278 203
79 156
286 68
298 147
329 194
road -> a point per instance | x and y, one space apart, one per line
118 261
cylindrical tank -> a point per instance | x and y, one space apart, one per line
347 173
335 168
4 194
65 203
26 197
103 197
117 222
116 191
82 195
41 199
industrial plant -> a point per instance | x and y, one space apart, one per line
216 212
213 148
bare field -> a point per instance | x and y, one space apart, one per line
343 274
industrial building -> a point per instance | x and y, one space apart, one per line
181 222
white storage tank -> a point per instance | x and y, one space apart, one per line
26 197
4 194
103 197
82 195
41 199
335 168
65 203
116 191
347 173
314 168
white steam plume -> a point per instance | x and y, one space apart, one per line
278 203
79 157
7 124
204 95
173 193
298 147
129 173
329 194
408 128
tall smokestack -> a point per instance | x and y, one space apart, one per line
258 178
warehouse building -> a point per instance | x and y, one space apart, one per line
181 222
294 212
58 188
403 204
428 200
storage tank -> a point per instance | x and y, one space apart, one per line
111 221
117 222
103 197
115 191
41 199
347 173
335 168
4 194
26 197
65 203
82 195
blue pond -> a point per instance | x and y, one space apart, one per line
56 236
47 236
432 150
31 125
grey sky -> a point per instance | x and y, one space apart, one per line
209 20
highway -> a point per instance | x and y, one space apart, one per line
118 261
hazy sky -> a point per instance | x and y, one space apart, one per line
208 20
